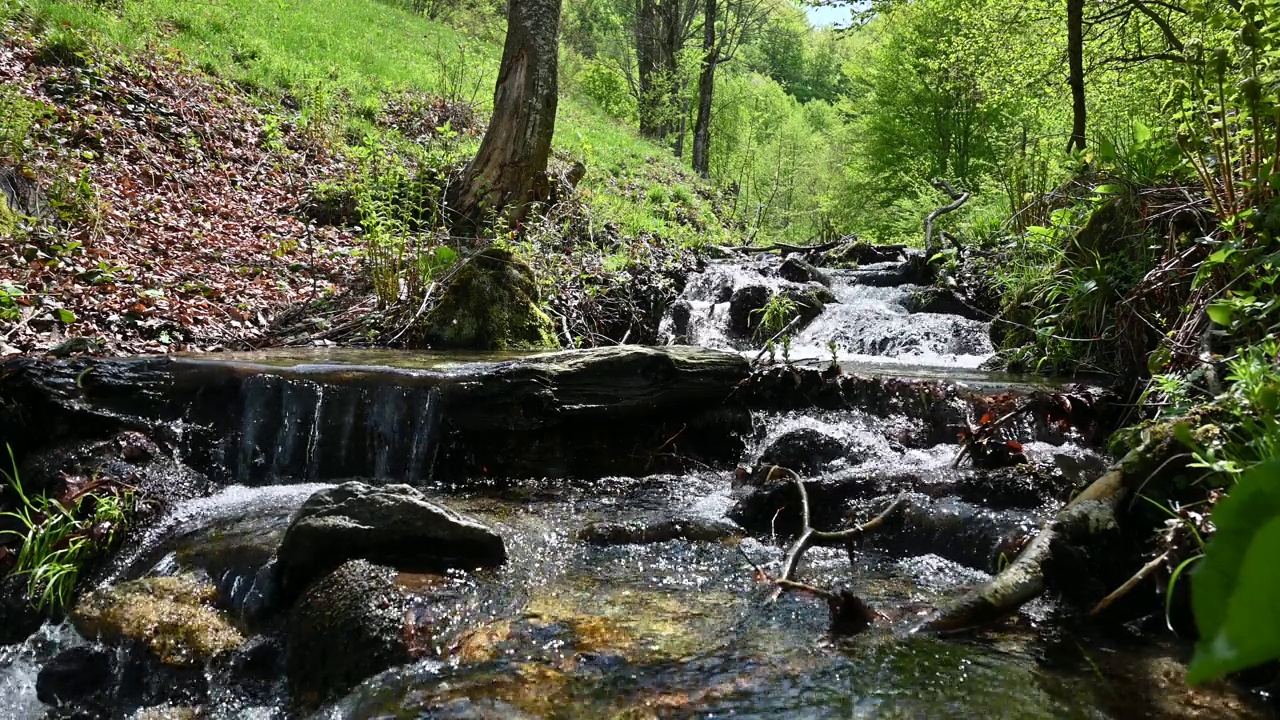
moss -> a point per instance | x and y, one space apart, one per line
173 616
491 303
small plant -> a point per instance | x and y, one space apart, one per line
786 349
58 542
834 348
776 314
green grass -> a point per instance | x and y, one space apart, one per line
342 59
58 542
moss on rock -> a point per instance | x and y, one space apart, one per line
490 303
173 616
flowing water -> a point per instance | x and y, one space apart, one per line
569 629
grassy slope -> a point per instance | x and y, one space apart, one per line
344 57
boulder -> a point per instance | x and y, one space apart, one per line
490 302
349 625
797 270
80 677
394 525
744 307
804 450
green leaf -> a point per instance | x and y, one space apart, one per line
1234 590
1220 313
1109 189
66 316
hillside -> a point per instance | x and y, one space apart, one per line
193 171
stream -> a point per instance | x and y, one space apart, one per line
571 626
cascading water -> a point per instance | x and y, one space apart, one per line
866 320
577 628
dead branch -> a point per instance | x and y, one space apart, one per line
957 199
1090 513
786 248
810 537
1131 583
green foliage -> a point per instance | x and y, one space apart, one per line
776 315
58 542
1235 586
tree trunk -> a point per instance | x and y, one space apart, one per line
1075 62
657 44
508 173
706 84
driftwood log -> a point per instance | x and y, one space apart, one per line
1092 512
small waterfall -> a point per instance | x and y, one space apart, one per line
305 430
869 320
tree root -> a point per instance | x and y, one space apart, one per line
1091 512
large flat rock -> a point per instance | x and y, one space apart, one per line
318 414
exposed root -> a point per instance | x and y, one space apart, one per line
1090 513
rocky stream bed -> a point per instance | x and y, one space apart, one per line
353 534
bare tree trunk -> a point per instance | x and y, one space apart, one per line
1075 62
706 84
657 44
508 173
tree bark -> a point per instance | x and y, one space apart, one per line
508 173
1075 63
706 84
657 43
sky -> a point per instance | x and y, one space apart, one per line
829 15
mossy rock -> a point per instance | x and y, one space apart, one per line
490 303
174 617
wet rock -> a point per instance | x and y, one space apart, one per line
804 450
681 313
80 677
638 533
943 302
490 303
173 617
18 619
127 457
745 307
349 625
797 270
393 525
854 254
958 531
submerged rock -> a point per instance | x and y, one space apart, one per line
692 529
393 525
348 625
161 634
489 303
173 617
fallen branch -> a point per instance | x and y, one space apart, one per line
1090 513
1130 584
957 199
786 248
849 613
